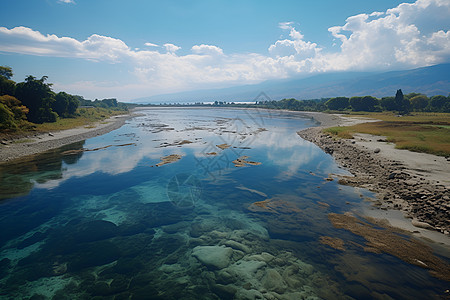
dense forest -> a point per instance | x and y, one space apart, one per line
33 101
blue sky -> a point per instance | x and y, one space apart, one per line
132 49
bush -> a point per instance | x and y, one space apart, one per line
7 120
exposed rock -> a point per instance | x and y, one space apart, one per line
169 159
242 161
419 224
177 143
377 150
217 257
223 146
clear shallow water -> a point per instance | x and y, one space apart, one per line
110 224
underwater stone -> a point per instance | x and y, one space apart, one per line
94 254
100 289
273 281
224 291
198 229
250 294
213 256
237 246
245 270
264 256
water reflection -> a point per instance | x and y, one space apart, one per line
18 178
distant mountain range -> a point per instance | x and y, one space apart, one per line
433 80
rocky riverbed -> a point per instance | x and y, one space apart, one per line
425 201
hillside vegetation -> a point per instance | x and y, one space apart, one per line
33 105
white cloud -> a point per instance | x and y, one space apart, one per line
67 1
207 50
27 41
171 48
295 46
409 35
286 25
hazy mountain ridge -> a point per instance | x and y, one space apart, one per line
433 80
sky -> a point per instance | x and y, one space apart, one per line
138 48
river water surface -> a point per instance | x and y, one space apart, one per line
110 223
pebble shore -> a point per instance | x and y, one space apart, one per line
12 150
426 202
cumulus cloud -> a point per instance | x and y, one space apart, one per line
409 35
207 50
171 48
27 41
67 1
295 46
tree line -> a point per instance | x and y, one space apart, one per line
400 103
34 101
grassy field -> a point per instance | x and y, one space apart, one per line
420 132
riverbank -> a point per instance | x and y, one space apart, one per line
415 183
38 143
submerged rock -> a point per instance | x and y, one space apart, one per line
384 238
213 256
274 282
335 243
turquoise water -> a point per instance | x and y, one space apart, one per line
111 224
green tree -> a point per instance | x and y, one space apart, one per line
366 103
388 103
7 86
6 72
338 103
419 102
38 97
65 104
438 102
402 104
110 102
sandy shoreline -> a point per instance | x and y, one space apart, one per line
12 150
415 183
